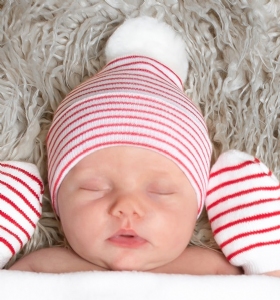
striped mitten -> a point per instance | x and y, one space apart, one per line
21 191
243 205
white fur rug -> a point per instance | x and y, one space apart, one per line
48 47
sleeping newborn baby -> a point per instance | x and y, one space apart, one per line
128 161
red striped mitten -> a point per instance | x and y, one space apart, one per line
243 205
21 191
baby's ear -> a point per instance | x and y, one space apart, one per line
146 36
21 191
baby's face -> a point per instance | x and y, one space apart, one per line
127 208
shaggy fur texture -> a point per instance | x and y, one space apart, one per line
48 47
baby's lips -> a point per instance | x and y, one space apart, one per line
125 232
127 238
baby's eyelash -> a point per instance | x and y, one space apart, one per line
94 189
162 193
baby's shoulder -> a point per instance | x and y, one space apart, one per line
46 260
210 261
53 260
199 261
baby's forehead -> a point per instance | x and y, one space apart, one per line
122 159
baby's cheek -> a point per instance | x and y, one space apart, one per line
170 226
76 233
182 226
72 219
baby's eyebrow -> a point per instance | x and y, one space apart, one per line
95 181
87 173
163 182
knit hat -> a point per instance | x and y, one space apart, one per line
21 191
243 205
134 100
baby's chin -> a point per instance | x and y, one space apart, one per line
132 261
145 266
139 268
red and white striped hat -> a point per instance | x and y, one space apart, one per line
134 100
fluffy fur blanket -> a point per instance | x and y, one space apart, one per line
48 47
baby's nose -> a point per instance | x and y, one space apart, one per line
128 206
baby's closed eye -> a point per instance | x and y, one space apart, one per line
95 185
162 192
162 188
92 193
94 189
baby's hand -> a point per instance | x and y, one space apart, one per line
243 205
21 190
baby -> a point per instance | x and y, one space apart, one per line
129 159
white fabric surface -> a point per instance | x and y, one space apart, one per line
135 285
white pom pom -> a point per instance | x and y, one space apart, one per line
149 37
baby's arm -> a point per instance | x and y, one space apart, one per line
24 264
243 205
21 190
54 260
47 260
199 261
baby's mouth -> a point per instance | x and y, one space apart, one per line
127 238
